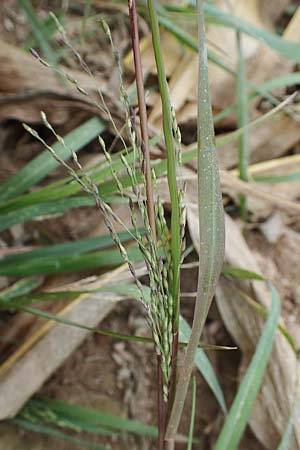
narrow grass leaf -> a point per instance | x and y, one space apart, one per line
67 248
286 438
273 179
43 164
38 29
82 416
203 365
240 410
52 432
243 274
19 288
217 16
48 27
61 264
240 274
41 210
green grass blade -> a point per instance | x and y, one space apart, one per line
263 90
288 49
72 263
203 365
243 274
19 288
39 32
70 413
40 210
67 248
286 438
193 413
242 120
43 164
107 188
52 432
240 410
288 178
48 27
110 187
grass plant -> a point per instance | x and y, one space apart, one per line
129 177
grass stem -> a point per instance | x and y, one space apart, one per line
211 229
149 187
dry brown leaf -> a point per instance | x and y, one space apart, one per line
27 87
264 196
270 140
171 50
274 403
22 374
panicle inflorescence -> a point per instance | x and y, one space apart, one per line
156 251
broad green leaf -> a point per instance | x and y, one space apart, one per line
43 164
240 410
203 365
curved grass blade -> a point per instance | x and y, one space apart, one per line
203 365
86 416
240 410
61 264
26 213
288 49
48 431
21 287
43 164
108 187
67 248
242 274
21 304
